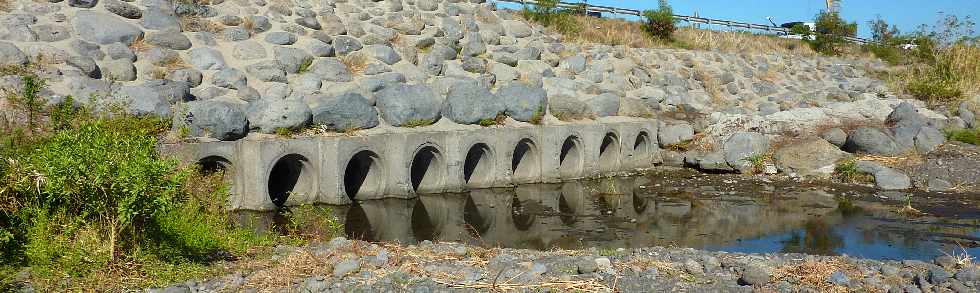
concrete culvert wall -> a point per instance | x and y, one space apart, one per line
525 162
364 174
290 175
642 151
478 166
609 153
570 158
428 170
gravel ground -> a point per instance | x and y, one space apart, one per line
343 265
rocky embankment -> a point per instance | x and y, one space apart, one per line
344 266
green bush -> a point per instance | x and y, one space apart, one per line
547 13
831 31
887 53
660 23
970 136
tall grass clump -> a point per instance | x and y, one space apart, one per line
547 13
660 23
831 31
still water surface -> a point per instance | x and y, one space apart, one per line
711 212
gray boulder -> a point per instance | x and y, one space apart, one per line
217 118
280 38
811 157
473 45
468 102
331 69
871 141
11 55
104 28
742 146
523 102
122 9
87 49
206 59
344 112
82 3
230 78
309 22
169 39
154 97
401 104
885 178
517 29
119 70
268 70
292 59
604 105
192 77
50 32
755 275
674 133
86 65
383 53
120 51
269 115
344 45
160 18
835 136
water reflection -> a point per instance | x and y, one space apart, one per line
639 212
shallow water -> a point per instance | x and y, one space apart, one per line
711 212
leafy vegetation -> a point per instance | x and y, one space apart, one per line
418 123
660 23
831 31
847 171
970 136
87 204
547 13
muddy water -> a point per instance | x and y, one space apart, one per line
677 208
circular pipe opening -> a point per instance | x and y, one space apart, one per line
363 174
213 164
290 175
609 153
642 149
477 168
428 170
524 163
570 158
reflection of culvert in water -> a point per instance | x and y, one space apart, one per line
524 164
427 170
290 175
477 224
609 153
522 219
566 212
364 174
478 166
639 203
422 226
570 158
641 149
357 225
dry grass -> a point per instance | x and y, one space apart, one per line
959 65
194 23
6 5
140 46
613 31
355 62
815 273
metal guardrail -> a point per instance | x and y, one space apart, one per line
693 19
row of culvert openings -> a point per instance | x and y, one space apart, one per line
364 174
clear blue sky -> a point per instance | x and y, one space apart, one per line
906 14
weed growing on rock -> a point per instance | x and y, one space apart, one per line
759 162
417 123
285 132
970 136
547 13
355 62
847 171
536 117
305 66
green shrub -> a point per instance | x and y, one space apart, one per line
547 13
970 136
831 31
886 53
660 23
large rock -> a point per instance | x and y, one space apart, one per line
104 28
742 146
292 59
206 59
871 141
268 70
523 102
169 39
122 9
119 70
160 18
217 118
468 102
810 157
152 98
230 78
885 177
403 104
331 69
383 53
11 55
270 115
344 45
604 105
344 112
674 133
517 29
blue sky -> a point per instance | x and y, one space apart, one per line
906 14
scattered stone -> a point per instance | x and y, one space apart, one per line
268 116
280 38
871 141
468 103
522 102
104 29
122 9
835 136
811 157
755 274
408 104
217 118
169 39
346 267
345 112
